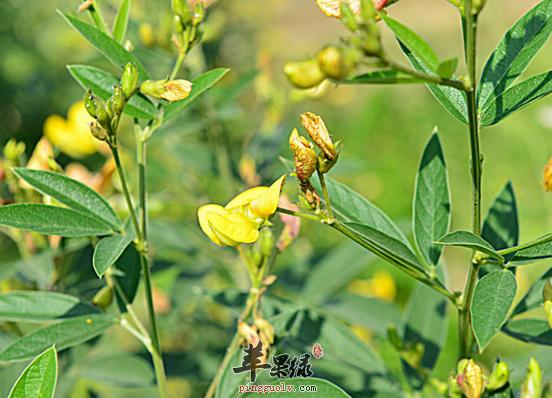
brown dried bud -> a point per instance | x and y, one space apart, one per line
319 134
303 155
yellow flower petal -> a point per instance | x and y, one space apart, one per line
204 223
266 204
232 229
332 8
246 197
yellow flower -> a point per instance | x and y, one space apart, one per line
239 221
332 8
170 90
72 135
381 285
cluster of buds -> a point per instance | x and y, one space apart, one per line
337 62
306 160
187 24
547 300
108 113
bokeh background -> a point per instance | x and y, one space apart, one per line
209 153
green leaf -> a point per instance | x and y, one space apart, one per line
109 48
101 83
323 388
350 206
52 220
533 254
382 77
38 380
425 322
452 99
516 98
108 250
200 84
470 241
447 68
71 193
127 273
230 381
431 219
119 370
534 331
371 313
64 334
121 21
36 306
318 286
417 46
515 52
492 299
385 245
533 298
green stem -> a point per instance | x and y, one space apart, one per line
543 239
97 18
325 195
425 77
469 24
177 65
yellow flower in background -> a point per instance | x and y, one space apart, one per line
381 285
239 221
332 8
72 135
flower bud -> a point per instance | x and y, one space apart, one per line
471 379
499 376
266 330
103 298
266 240
478 5
13 150
531 386
348 17
102 115
129 80
334 62
97 131
180 8
170 90
319 134
199 13
368 10
118 99
304 74
89 103
303 155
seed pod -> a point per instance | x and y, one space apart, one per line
97 131
532 384
118 102
266 240
304 74
499 376
104 297
303 155
102 115
319 134
129 80
89 103
471 379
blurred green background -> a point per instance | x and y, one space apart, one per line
197 159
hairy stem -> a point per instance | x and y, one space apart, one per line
325 195
469 23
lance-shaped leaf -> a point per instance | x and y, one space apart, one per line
52 220
534 253
71 193
38 380
471 241
516 98
108 250
431 219
515 52
37 306
350 206
64 334
382 77
492 299
101 83
534 297
121 20
201 84
534 331
127 272
116 369
108 47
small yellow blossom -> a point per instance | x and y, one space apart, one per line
239 221
381 285
72 135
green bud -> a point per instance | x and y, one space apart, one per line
103 298
499 376
336 62
178 25
348 16
371 43
267 242
180 8
304 74
89 103
129 80
367 11
13 150
118 102
532 384
478 5
102 115
97 131
199 13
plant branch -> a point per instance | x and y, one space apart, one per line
97 18
325 195
539 241
457 84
